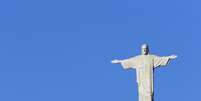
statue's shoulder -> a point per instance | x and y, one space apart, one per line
136 57
152 56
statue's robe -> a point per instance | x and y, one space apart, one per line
144 65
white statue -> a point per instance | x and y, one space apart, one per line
145 65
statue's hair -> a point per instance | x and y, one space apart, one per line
145 46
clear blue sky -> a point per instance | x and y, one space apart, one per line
61 50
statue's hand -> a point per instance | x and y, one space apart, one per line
116 61
173 56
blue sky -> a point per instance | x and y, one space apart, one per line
61 50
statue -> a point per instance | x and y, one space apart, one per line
145 65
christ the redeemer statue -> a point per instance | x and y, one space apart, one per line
145 65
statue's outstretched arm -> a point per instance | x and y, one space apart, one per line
163 60
173 57
116 61
126 63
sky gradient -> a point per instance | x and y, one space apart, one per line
60 50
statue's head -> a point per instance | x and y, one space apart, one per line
145 49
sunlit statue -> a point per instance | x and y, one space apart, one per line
145 65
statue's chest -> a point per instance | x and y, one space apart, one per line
145 63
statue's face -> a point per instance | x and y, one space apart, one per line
144 49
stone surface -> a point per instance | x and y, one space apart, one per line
145 65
